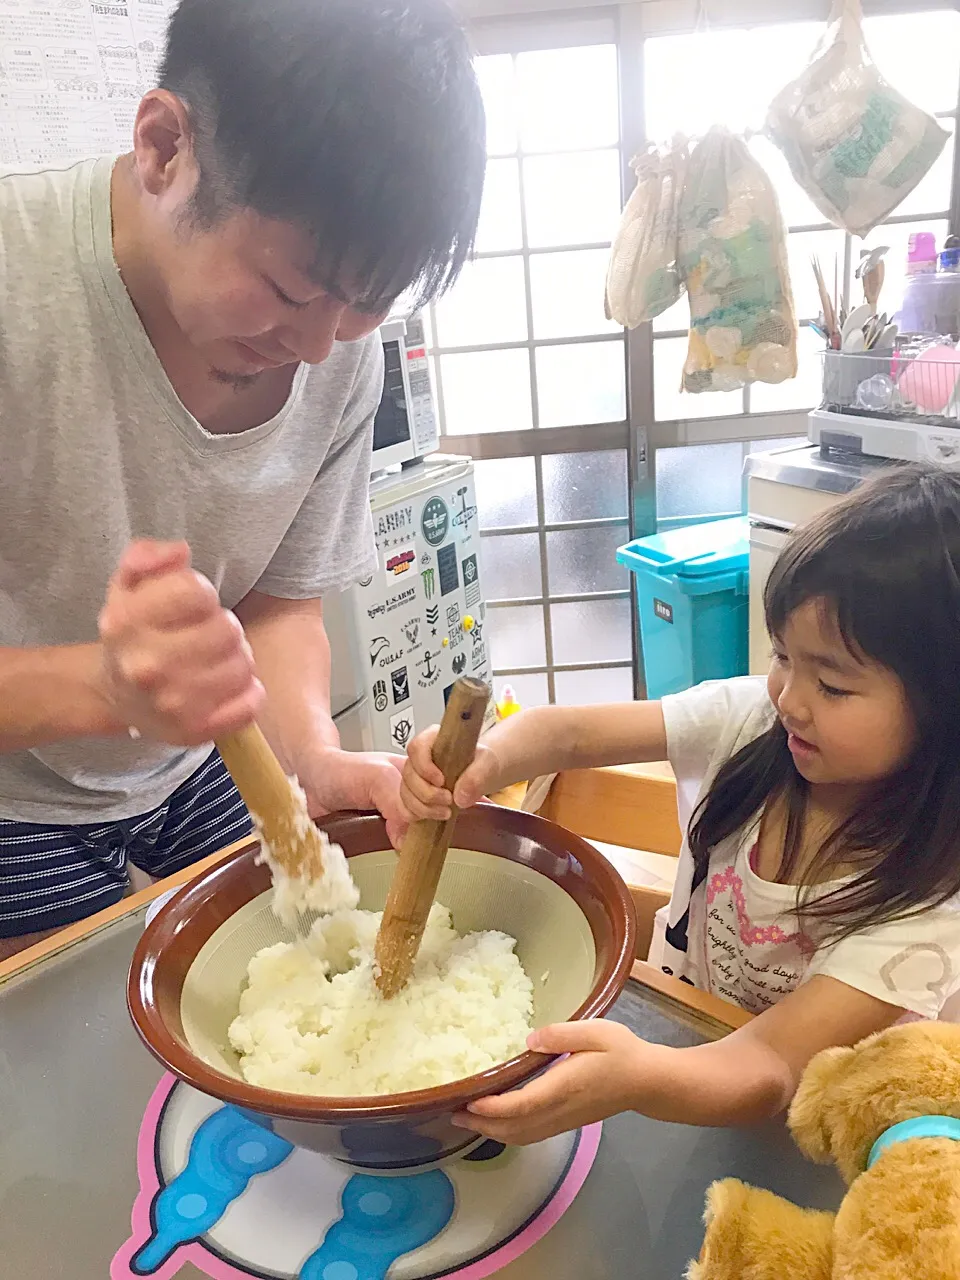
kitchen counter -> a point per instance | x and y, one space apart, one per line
810 467
75 1080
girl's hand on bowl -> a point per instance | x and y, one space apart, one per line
421 788
603 1076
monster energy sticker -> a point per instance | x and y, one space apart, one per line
447 569
435 521
380 695
429 583
400 681
471 581
427 669
402 728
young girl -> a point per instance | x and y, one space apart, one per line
819 881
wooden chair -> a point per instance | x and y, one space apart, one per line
635 807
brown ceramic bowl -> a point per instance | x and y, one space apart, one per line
580 893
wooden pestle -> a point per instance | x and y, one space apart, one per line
285 826
425 845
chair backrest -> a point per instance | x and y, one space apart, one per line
624 806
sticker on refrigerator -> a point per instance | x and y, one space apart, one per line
429 580
392 603
365 582
382 652
427 669
433 617
380 695
465 511
399 520
400 681
399 562
459 662
435 521
471 581
411 631
446 694
402 728
447 569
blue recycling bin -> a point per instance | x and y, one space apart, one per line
693 603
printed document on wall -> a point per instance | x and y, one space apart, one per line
72 73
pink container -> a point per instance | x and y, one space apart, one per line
929 380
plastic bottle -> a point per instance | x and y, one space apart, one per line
921 253
949 259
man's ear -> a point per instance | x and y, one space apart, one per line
163 143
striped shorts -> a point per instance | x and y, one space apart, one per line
53 876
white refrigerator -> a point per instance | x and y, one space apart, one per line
401 638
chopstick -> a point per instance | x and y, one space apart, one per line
827 305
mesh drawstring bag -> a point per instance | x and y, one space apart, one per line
854 143
733 260
642 278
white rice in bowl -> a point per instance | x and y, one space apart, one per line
311 1019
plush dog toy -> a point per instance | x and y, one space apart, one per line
887 1113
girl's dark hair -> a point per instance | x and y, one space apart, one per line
360 120
885 563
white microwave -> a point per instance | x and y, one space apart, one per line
405 426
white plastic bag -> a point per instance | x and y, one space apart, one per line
642 278
733 259
855 145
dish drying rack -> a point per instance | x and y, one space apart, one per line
891 404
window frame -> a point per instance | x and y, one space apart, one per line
517 26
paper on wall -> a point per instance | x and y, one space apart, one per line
72 73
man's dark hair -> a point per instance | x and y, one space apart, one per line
359 120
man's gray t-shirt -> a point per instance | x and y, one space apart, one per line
97 449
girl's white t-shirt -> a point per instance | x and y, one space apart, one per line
733 934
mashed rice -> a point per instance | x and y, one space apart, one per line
295 896
312 1020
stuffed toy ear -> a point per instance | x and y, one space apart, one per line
810 1106
754 1235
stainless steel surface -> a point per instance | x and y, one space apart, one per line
74 1081
808 468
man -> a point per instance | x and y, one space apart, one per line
188 376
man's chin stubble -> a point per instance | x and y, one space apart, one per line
238 381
